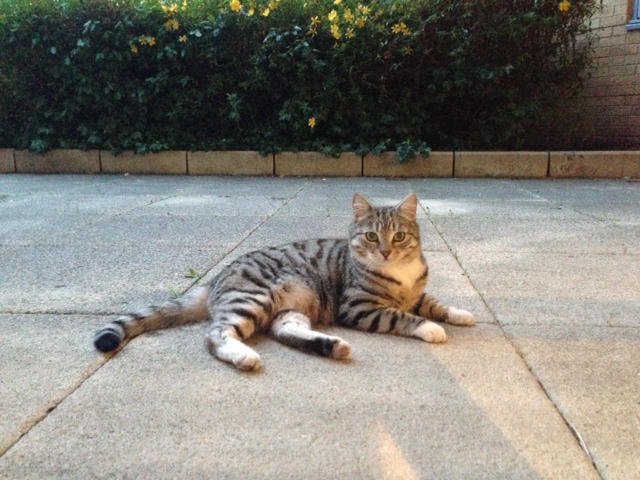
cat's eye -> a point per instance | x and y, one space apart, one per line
371 236
399 237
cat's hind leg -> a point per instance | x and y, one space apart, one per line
224 340
293 328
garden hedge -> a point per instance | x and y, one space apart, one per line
274 75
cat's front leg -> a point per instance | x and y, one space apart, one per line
394 321
430 307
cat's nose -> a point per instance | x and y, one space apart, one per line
385 253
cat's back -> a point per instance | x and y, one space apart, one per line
316 260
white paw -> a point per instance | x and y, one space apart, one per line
247 361
237 353
341 350
430 332
458 316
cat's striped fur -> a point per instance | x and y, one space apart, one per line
375 281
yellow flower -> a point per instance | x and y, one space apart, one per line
172 10
364 10
172 24
313 26
361 21
273 5
335 32
184 5
183 39
564 6
251 12
152 41
144 40
407 50
350 32
312 122
348 16
235 5
333 16
266 12
134 49
400 28
337 2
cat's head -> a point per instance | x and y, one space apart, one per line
385 235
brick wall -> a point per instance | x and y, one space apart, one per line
609 107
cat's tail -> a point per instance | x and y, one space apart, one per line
190 308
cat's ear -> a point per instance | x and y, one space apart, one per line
409 206
361 206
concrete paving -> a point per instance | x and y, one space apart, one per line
545 386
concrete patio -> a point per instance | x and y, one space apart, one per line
546 386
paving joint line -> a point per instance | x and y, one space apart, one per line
53 404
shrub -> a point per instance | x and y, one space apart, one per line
285 74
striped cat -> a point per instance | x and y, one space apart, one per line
375 281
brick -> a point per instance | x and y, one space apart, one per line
611 60
631 37
632 59
628 71
621 9
58 161
601 52
621 91
600 72
607 100
501 164
624 50
594 164
619 30
162 163
435 165
229 163
612 41
7 161
613 21
315 164
619 111
605 32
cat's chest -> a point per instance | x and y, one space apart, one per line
410 278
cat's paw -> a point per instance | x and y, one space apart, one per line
457 316
233 351
247 361
341 350
430 332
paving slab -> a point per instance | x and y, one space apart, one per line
29 184
616 201
346 187
598 398
557 289
470 188
248 187
97 278
44 359
163 405
154 229
548 235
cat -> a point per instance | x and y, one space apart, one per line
375 281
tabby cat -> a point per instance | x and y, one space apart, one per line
375 281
